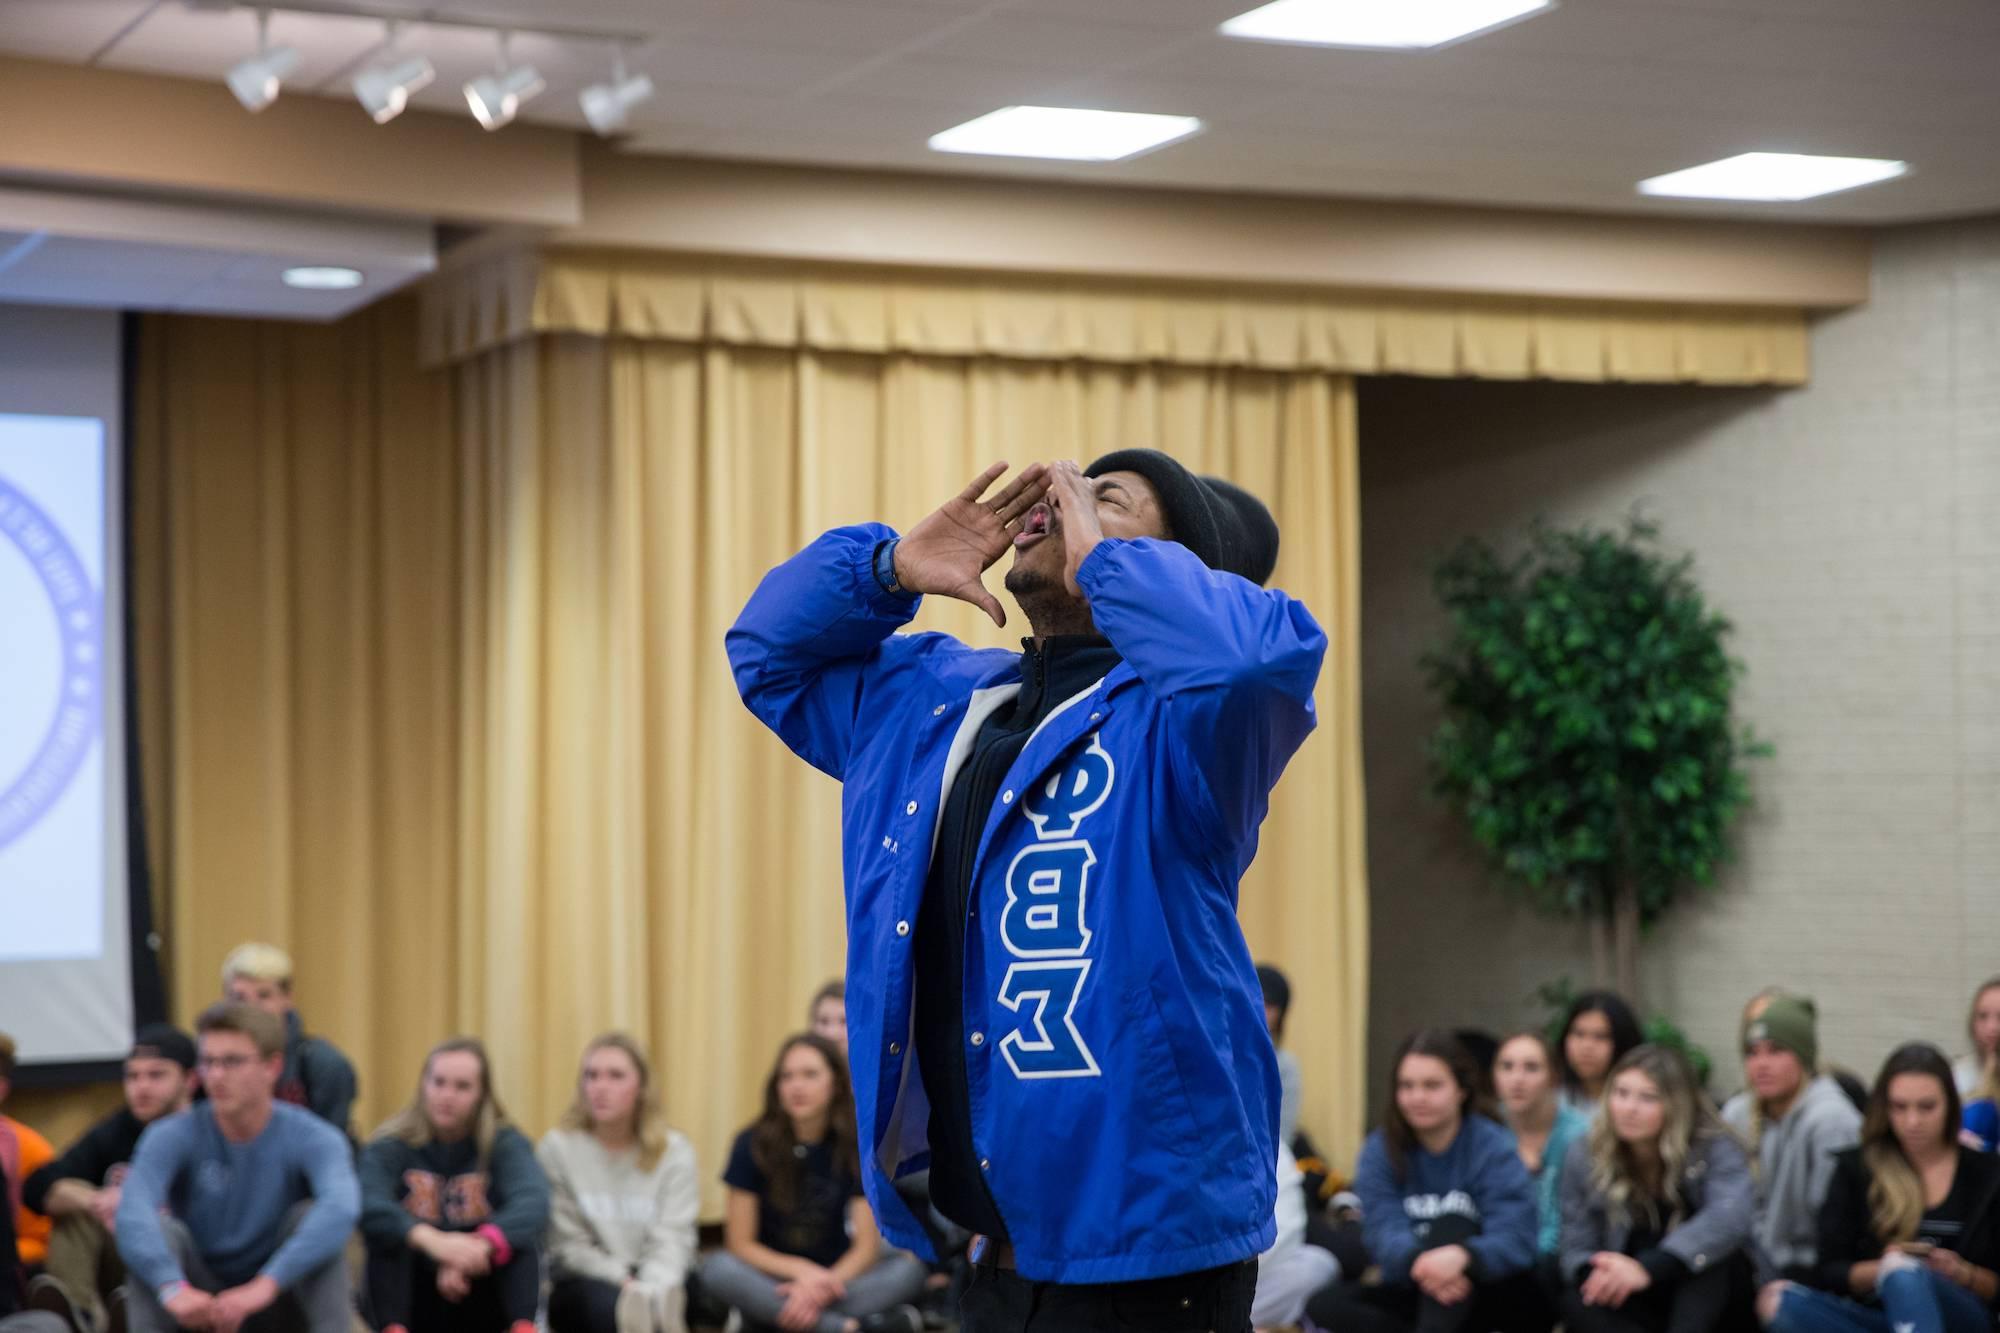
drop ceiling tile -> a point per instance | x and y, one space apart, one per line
69 30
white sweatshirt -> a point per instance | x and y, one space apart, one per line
610 1220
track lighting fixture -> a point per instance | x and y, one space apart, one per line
496 97
606 105
385 87
255 81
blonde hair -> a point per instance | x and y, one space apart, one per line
1988 1086
258 962
649 1120
8 1055
1615 1169
246 1019
413 1126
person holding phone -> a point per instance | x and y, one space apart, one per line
1909 1238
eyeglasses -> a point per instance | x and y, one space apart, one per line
228 1064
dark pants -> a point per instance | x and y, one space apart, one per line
583 1305
1696 1303
402 1289
1516 1304
1216 1300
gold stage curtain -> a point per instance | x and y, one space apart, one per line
436 693
882 312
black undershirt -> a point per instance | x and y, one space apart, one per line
1065 666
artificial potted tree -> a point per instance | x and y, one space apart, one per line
1587 736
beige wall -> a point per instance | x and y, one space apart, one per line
1850 530
902 218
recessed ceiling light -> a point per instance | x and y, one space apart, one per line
1773 176
1064 132
1396 24
323 278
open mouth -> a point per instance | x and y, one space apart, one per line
1035 525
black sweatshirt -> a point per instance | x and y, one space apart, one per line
1063 667
1966 1223
94 1159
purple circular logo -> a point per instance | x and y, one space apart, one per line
25 797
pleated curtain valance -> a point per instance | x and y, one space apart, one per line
883 311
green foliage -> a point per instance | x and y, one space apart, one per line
1586 736
1557 996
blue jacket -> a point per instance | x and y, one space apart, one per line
1479 1177
1124 1089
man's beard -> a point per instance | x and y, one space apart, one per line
1048 603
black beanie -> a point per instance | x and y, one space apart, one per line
1194 512
1250 534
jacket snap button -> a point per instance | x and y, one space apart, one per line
1006 798
910 809
938 711
985 1165
1093 718
902 927
895 1048
979 1039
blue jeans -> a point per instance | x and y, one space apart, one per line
1912 1298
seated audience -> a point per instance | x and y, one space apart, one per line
317 1076
1599 1030
623 1198
23 1151
802 1250
79 1190
1910 1236
1657 1207
1291 1081
1525 1076
237 1213
1978 1074
1982 1029
453 1205
828 1016
1447 1209
1792 1120
11 1285
1292 1269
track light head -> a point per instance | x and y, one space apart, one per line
256 81
606 105
384 89
495 98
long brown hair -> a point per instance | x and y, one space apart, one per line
1689 1118
1895 1190
649 1121
773 1141
1437 1043
413 1126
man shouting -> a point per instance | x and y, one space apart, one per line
1050 1003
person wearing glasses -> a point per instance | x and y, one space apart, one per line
235 1214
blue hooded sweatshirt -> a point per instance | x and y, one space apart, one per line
1479 1177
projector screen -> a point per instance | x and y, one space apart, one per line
66 922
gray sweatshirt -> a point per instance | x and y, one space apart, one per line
1794 1168
1715 1191
610 1220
